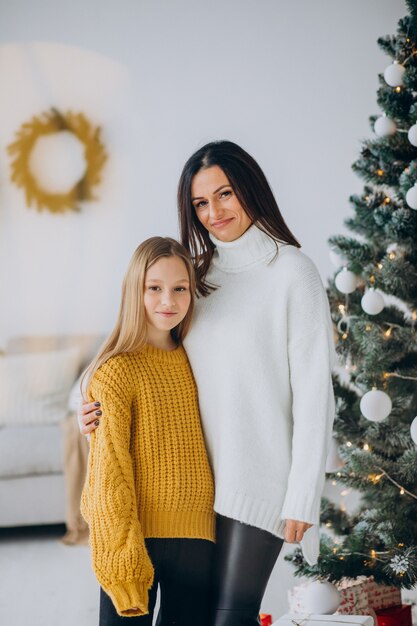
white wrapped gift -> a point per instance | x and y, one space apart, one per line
325 620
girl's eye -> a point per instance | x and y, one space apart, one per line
180 288
153 287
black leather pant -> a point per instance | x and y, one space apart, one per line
182 570
243 562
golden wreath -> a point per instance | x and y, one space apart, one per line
45 124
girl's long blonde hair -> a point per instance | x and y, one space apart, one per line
129 333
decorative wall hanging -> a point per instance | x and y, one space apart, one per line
84 153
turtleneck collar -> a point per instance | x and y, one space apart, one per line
252 248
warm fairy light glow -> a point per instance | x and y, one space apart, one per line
349 444
387 200
373 554
344 336
392 255
338 474
401 545
374 478
414 315
380 266
388 332
334 550
328 524
366 446
398 89
368 327
372 279
341 308
345 492
402 492
380 172
334 483
341 558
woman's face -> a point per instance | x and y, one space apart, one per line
217 206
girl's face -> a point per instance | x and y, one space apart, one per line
217 206
167 295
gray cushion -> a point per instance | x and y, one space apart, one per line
28 450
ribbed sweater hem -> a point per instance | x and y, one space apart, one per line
178 524
263 514
249 509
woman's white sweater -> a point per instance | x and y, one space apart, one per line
261 349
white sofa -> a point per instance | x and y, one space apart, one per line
32 484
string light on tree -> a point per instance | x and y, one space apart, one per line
394 74
384 126
375 405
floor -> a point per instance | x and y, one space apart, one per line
46 583
43 582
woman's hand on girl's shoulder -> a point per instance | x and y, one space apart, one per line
88 416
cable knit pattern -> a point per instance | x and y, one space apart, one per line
261 348
148 473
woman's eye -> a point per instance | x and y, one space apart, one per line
153 287
200 205
224 194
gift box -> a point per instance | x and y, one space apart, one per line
266 619
324 620
354 596
395 616
382 596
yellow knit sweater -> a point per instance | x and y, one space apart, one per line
148 471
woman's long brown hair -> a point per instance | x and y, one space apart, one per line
252 190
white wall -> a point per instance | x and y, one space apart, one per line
292 82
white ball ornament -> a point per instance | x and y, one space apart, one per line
412 135
413 430
321 598
384 126
394 74
411 197
372 302
375 405
346 281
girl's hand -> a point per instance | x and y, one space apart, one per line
88 415
294 530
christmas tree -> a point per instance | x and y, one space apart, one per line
373 300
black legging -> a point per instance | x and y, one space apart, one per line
182 569
243 562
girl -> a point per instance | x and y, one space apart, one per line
148 496
261 348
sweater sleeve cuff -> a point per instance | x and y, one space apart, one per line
128 595
302 506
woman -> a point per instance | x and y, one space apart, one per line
261 349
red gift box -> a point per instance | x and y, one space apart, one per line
266 619
396 616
